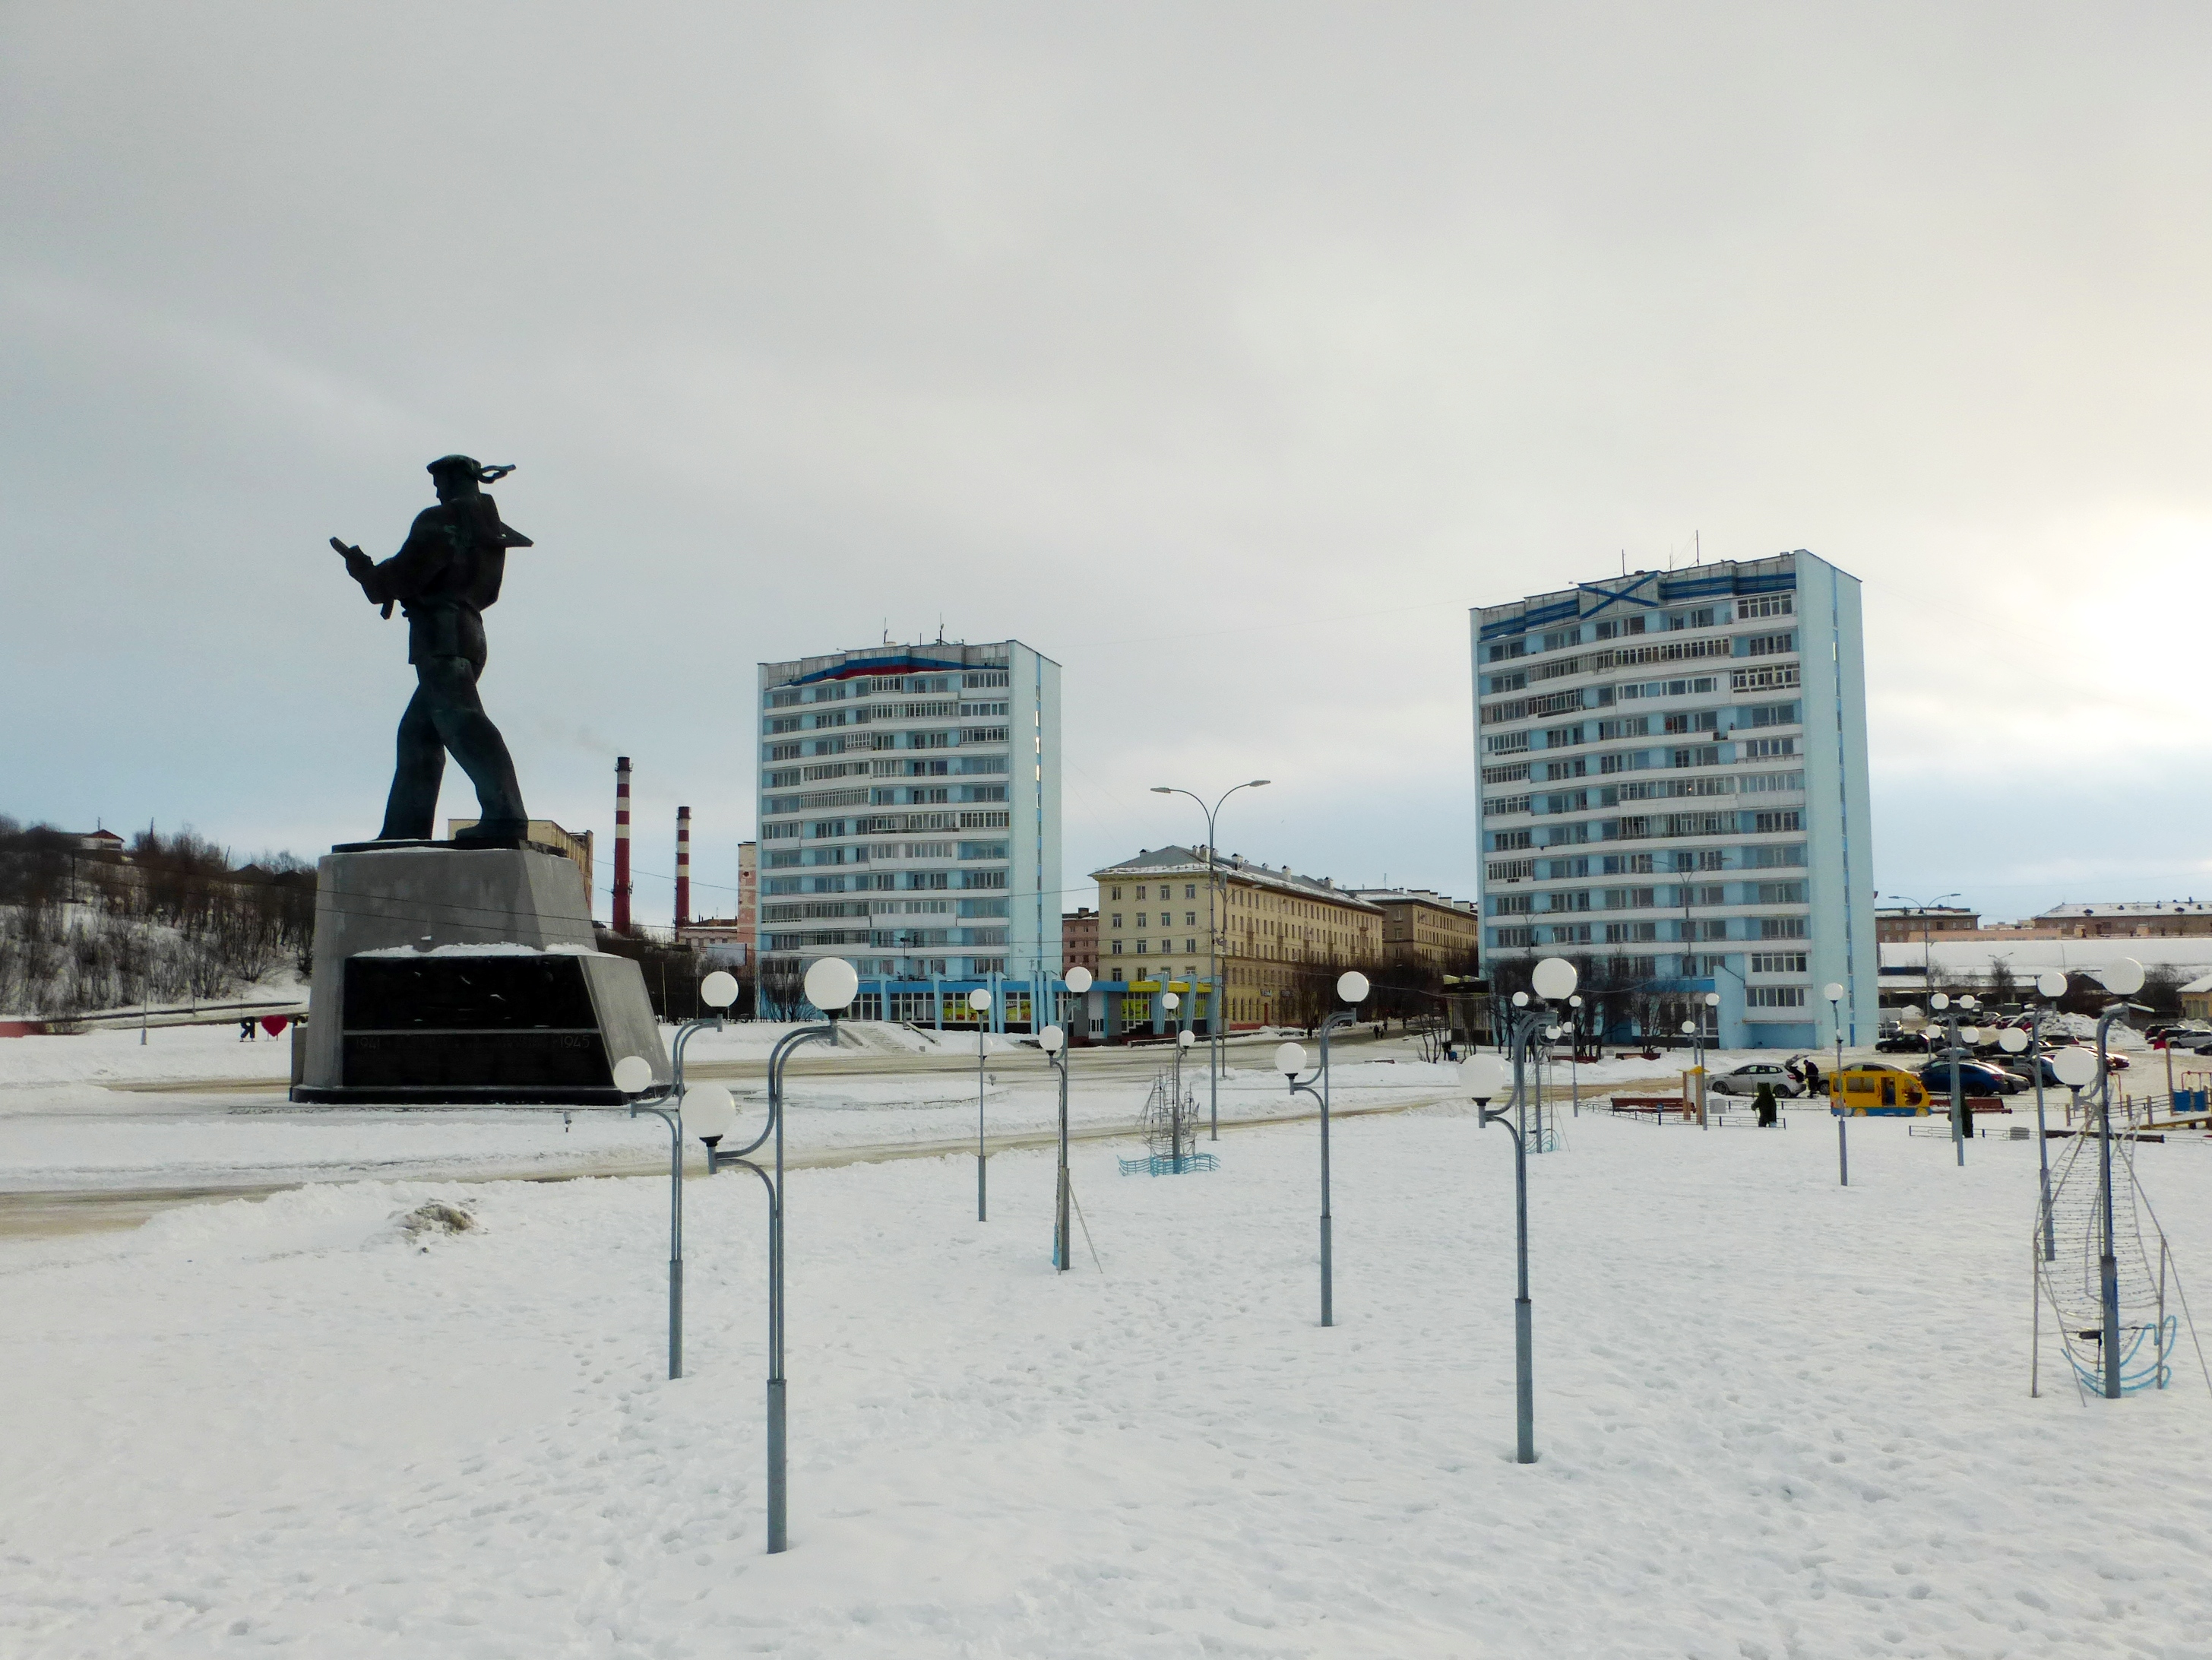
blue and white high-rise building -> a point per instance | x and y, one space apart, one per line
1673 772
910 821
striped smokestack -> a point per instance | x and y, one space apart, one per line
621 844
682 866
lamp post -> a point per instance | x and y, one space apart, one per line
1575 1055
1553 980
1184 1040
1958 1042
2053 985
979 1005
1216 999
1054 1041
710 1120
1291 1061
832 983
1834 993
2122 978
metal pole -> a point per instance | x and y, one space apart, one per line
1958 1091
1524 1362
981 1209
1835 1105
2042 1137
1328 1273
1215 1001
1059 1240
676 1246
2108 1268
1524 1358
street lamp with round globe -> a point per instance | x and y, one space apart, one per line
1484 1076
719 989
1554 978
1290 1059
831 984
633 1074
1351 986
2123 977
1051 1040
2051 983
2012 1040
2074 1066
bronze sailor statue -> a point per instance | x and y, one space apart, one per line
448 570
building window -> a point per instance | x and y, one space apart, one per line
1768 645
1190 890
1781 893
1140 948
1774 997
1117 947
1782 927
1778 962
1766 749
1768 605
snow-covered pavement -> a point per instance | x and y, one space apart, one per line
1777 1418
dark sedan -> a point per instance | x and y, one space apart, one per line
1974 1079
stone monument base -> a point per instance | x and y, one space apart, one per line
447 973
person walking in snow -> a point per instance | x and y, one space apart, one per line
1764 1105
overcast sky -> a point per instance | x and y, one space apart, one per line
1225 354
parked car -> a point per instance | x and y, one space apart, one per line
1975 1077
1903 1043
1747 1078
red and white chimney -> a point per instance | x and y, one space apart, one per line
682 866
621 844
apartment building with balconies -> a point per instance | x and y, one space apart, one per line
909 817
1672 786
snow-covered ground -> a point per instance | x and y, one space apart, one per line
1777 1418
194 1107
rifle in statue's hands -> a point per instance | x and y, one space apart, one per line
361 568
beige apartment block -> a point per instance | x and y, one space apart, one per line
1420 925
1273 925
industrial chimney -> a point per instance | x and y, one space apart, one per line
682 866
621 844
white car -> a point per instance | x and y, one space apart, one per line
1747 1078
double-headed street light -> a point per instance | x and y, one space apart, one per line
1217 1000
1834 993
1054 1041
1291 1061
979 1005
1553 981
2052 985
708 1113
832 983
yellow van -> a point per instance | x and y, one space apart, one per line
1877 1091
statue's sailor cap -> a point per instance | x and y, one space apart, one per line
469 466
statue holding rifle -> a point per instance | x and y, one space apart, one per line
444 576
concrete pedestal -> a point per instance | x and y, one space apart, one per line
447 975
